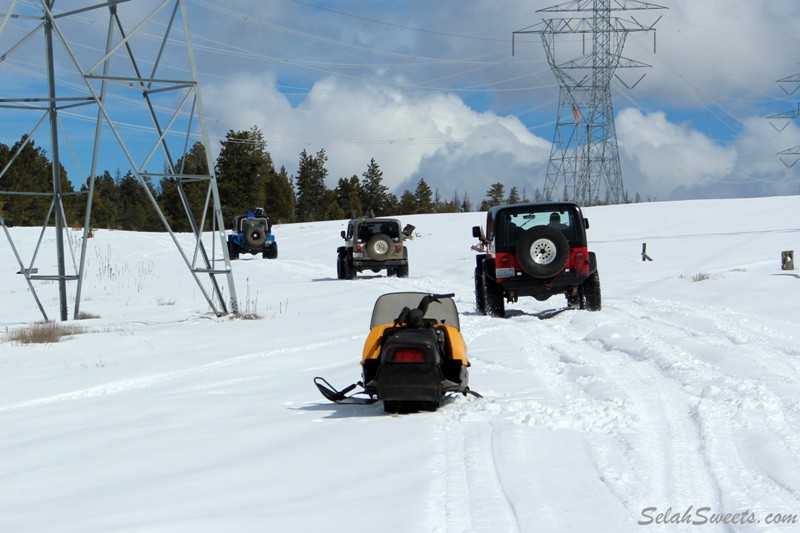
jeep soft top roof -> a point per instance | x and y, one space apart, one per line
375 219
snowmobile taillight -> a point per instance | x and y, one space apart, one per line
408 355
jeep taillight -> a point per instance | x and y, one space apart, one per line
579 261
505 265
408 355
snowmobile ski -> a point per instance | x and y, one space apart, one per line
340 396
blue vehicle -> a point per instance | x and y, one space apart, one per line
252 234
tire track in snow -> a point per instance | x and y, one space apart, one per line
616 407
470 495
697 354
164 377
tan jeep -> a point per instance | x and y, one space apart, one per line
373 244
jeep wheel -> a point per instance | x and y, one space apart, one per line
348 270
379 246
340 266
591 292
233 251
480 297
271 252
254 237
542 252
494 304
402 271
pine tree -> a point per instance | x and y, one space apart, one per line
408 203
424 197
106 202
136 211
450 206
374 194
193 163
243 169
311 189
32 172
513 196
280 203
348 195
494 196
466 204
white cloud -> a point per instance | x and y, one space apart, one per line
668 155
410 134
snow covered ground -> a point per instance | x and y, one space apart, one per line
679 401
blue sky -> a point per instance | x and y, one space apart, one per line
431 90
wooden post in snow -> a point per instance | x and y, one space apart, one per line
787 260
645 257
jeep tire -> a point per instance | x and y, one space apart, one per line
270 252
233 251
494 302
591 292
255 237
379 246
402 270
542 252
480 297
348 269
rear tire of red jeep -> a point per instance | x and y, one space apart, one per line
591 293
542 252
493 298
480 297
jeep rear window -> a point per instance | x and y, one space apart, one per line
253 222
517 223
366 231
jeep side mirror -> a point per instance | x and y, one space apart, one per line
408 231
586 223
477 232
344 235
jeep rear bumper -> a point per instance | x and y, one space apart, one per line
528 286
371 263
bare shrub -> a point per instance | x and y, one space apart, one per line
43 332
702 276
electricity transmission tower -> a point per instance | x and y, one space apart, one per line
789 85
584 161
137 85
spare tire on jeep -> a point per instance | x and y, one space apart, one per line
255 237
379 246
542 251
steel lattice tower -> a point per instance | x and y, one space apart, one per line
145 69
584 161
789 85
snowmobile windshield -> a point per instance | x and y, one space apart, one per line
389 306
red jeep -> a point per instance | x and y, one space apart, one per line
537 250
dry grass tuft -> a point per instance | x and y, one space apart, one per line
702 276
43 332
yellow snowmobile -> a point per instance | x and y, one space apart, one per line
414 355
